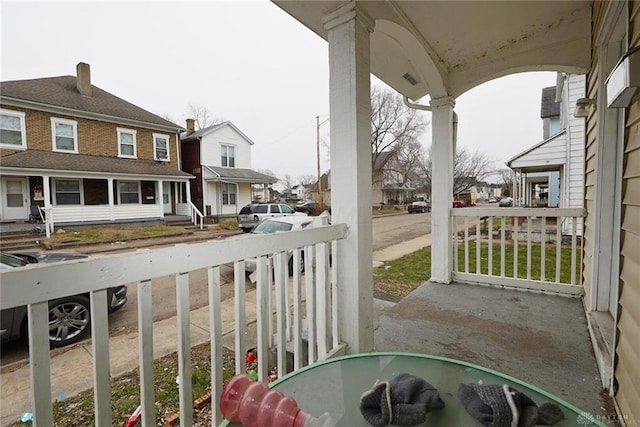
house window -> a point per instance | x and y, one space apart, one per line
228 194
228 156
160 147
127 143
68 191
65 135
128 192
13 134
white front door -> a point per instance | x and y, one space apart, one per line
15 198
166 197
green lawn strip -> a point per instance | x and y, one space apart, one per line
112 234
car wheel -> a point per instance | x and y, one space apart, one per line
69 320
301 264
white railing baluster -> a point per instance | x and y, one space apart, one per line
558 247
215 335
456 246
529 254
101 368
297 315
543 253
334 293
466 244
184 350
39 363
478 270
503 226
574 244
145 352
239 280
264 316
280 265
309 263
516 228
322 306
490 245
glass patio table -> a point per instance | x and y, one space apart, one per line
336 385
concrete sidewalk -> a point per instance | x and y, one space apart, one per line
72 369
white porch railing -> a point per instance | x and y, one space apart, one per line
34 285
518 247
189 209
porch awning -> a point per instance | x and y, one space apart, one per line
218 173
36 162
545 156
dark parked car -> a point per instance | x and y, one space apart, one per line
420 207
69 317
312 208
251 215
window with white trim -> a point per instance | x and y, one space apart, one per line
65 135
160 147
228 193
13 134
228 158
128 192
67 191
127 143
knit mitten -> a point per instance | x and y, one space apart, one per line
502 406
403 401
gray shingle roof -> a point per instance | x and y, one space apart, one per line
238 174
62 92
48 160
548 106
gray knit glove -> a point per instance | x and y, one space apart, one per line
502 406
403 401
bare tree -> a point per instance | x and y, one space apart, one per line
468 169
392 123
307 179
506 179
287 182
202 116
408 162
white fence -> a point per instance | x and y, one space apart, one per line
34 285
519 247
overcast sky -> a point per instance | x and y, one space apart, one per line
245 61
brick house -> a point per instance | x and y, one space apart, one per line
84 155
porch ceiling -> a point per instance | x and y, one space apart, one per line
450 47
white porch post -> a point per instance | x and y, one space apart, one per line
350 115
160 197
443 151
111 198
48 208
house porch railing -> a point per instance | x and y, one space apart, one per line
531 248
303 301
190 210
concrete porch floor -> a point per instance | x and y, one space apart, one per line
537 338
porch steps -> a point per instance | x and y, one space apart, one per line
20 240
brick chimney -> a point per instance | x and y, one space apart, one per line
83 80
191 126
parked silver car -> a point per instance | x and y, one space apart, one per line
69 317
250 215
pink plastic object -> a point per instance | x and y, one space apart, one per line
254 405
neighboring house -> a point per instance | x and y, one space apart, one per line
298 192
85 155
551 173
220 158
389 186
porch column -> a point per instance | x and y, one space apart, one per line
443 151
160 197
351 204
111 198
48 208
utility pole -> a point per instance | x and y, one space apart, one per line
320 196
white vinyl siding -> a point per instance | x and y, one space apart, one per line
127 143
160 147
13 134
64 135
